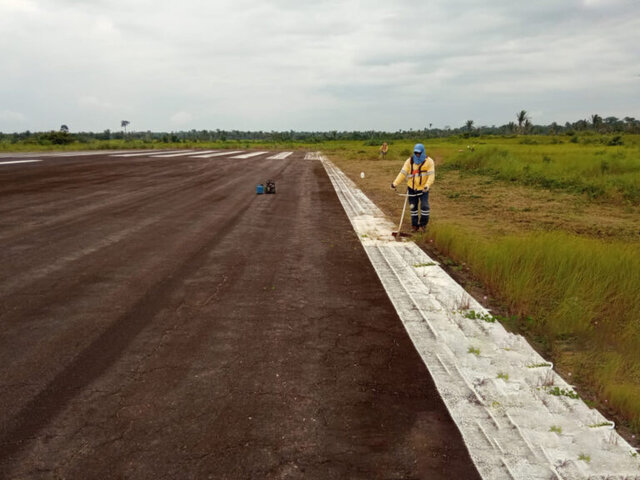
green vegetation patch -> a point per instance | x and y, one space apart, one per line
561 392
586 169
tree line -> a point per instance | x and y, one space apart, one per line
521 126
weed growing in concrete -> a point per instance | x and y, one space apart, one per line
463 303
428 264
473 315
601 424
475 351
585 457
561 392
504 376
539 365
556 429
549 379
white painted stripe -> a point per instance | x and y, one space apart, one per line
170 155
505 422
91 153
280 156
145 153
19 161
50 154
219 154
249 155
201 152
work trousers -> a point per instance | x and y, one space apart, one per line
419 207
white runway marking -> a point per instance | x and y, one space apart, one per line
200 152
495 385
280 156
141 153
249 155
219 154
19 161
170 155
50 154
83 154
313 156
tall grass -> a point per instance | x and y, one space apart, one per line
595 170
580 290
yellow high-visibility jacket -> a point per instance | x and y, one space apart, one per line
420 178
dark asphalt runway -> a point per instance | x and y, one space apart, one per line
158 319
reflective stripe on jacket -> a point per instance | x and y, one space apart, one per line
422 175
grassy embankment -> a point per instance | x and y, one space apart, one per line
552 231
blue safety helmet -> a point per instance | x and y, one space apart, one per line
419 154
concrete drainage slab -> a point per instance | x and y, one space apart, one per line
518 418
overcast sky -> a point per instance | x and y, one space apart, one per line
314 65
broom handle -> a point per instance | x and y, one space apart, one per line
402 216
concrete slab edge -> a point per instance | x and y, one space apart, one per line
518 417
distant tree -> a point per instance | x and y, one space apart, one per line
124 124
56 138
469 126
581 125
613 124
64 128
631 123
511 127
527 126
522 117
596 121
554 127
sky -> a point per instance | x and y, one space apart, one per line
314 65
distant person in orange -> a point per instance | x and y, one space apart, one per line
384 149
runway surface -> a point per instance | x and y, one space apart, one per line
158 319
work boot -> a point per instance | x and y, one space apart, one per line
422 228
414 228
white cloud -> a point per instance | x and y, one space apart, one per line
181 119
282 64
7 117
93 103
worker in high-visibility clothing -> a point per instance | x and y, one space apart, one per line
384 149
420 172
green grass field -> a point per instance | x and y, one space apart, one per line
611 172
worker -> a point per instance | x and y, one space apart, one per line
384 149
419 170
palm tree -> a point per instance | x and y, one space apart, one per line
469 125
124 124
64 128
596 121
522 117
